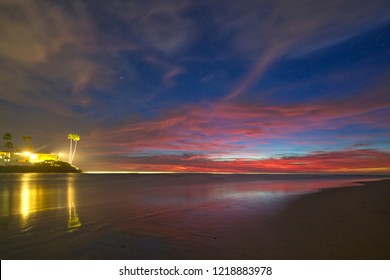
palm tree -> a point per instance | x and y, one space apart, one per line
76 138
70 137
73 137
8 145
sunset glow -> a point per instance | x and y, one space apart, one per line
218 86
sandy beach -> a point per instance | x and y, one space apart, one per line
341 223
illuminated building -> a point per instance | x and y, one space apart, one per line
25 158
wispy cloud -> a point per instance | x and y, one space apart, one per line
156 25
235 127
262 32
176 80
46 58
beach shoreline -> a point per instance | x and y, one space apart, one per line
194 217
337 223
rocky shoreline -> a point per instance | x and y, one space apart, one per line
42 167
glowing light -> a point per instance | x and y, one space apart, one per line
25 201
73 218
28 198
249 156
361 170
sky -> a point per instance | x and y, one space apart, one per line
200 86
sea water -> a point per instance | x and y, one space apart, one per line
148 216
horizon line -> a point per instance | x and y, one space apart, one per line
227 173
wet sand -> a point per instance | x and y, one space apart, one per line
193 217
341 223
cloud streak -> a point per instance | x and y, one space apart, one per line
348 161
237 128
264 32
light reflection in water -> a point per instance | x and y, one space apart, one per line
35 197
28 198
73 218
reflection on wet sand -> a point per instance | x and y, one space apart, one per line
31 197
73 219
152 217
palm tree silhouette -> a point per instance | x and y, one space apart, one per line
72 151
8 145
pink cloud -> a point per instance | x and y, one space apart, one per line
225 127
347 161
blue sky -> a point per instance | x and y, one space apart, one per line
200 85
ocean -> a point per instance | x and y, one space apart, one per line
149 216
